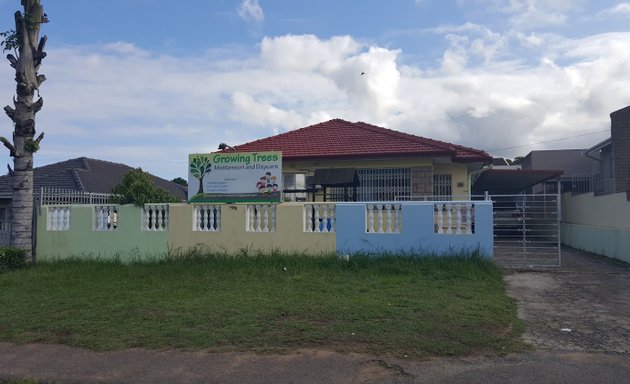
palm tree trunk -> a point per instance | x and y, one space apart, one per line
30 54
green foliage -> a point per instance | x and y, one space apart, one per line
9 41
12 258
31 145
137 187
180 181
199 166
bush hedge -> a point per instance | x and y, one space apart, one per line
11 258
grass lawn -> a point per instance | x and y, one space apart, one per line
391 305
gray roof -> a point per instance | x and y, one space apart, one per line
87 175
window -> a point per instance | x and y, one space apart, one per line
383 184
4 225
294 181
442 186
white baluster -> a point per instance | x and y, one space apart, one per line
165 218
308 213
147 217
458 219
258 219
318 224
370 210
217 218
469 217
66 219
273 218
325 218
397 218
333 218
60 217
197 212
250 218
449 218
210 215
99 219
440 221
380 218
388 218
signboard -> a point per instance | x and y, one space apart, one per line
234 177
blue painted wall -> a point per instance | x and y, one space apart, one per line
417 234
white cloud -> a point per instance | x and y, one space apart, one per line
119 103
619 10
530 14
250 10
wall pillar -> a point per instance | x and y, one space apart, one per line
422 181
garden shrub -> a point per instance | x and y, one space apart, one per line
12 258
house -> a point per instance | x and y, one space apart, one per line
576 167
89 176
339 160
596 220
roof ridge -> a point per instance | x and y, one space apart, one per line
77 179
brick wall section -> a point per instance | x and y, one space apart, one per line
422 181
620 137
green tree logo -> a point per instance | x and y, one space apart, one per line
199 167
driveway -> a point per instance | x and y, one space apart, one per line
589 295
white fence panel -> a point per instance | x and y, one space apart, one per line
320 218
454 218
261 218
155 217
207 218
383 218
58 219
106 218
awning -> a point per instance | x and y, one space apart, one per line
334 177
511 181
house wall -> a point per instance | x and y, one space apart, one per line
620 140
422 171
417 234
127 242
597 224
5 226
459 174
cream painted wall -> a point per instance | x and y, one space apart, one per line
608 211
233 237
459 174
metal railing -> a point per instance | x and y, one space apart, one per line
60 196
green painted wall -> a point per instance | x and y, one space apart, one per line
608 242
128 242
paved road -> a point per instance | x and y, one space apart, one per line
588 295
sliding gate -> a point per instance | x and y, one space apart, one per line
527 230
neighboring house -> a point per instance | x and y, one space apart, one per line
612 172
77 175
575 166
598 222
364 162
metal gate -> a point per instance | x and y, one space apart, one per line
527 230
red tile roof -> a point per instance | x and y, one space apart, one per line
342 140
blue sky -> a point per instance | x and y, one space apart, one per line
145 82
